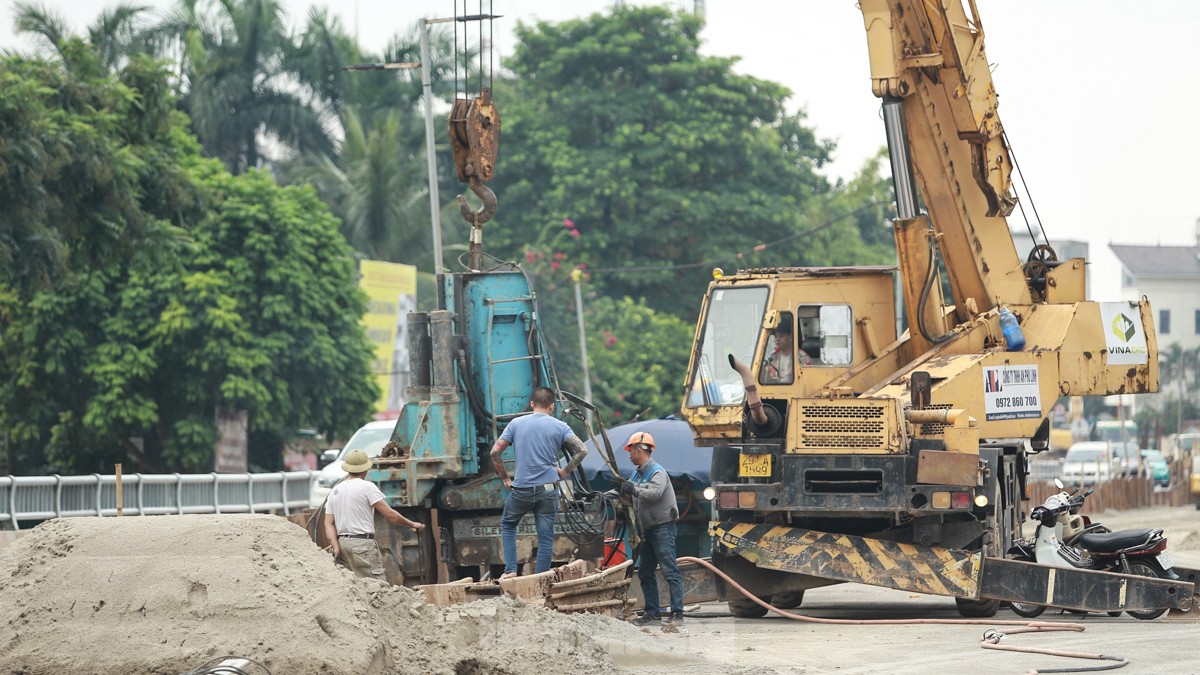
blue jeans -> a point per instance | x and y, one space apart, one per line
658 549
544 505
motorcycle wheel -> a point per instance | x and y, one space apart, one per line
1025 610
1144 570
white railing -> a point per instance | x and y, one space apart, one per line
36 498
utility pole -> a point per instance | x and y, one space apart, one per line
576 276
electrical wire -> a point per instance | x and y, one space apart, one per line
757 248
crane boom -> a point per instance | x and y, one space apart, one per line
927 58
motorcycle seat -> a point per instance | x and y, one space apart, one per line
1111 542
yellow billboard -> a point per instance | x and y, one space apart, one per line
391 290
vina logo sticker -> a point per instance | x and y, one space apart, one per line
1124 334
1123 327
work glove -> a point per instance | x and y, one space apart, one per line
626 487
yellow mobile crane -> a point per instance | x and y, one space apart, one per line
901 460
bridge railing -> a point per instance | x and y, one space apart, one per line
37 498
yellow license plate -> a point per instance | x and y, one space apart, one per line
754 466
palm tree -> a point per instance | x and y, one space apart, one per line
116 33
234 82
376 184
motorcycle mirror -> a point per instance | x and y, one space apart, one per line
1058 483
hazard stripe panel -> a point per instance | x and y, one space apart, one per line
920 569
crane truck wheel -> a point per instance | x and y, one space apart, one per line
977 608
787 600
745 608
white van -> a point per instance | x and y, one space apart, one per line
1088 463
370 438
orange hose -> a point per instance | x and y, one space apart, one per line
991 638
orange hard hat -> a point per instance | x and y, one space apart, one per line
639 438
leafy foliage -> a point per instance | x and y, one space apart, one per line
145 287
663 157
638 358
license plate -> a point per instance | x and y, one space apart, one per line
754 466
1165 561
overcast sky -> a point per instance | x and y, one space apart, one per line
1100 99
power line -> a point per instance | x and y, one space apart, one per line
741 254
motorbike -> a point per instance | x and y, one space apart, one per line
1064 538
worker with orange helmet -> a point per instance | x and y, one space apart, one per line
657 510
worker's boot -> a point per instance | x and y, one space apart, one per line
647 620
676 617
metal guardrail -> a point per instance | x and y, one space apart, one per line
35 498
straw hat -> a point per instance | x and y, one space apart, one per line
356 462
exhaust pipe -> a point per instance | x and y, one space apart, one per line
757 413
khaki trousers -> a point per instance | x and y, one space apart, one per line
362 557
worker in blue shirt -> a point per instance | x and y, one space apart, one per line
538 440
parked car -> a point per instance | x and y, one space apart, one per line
1157 467
1127 458
1088 463
370 438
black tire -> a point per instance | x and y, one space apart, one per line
1144 570
1023 609
745 608
1116 613
1028 611
788 600
973 609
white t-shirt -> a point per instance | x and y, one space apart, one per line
352 505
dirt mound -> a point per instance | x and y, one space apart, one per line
164 594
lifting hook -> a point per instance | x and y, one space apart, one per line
485 212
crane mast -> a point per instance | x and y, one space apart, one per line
929 66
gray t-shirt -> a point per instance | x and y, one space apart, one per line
352 505
537 441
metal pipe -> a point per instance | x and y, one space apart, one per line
420 352
753 401
934 415
435 215
902 173
441 333
576 275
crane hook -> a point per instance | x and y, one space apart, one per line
486 211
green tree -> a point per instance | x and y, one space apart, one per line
144 287
659 155
638 358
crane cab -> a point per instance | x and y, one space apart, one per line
797 329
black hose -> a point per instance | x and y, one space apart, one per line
930 278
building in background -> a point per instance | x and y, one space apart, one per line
1170 277
391 290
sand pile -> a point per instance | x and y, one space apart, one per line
165 594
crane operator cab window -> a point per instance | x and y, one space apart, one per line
729 312
823 335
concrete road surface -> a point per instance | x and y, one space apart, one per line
714 642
